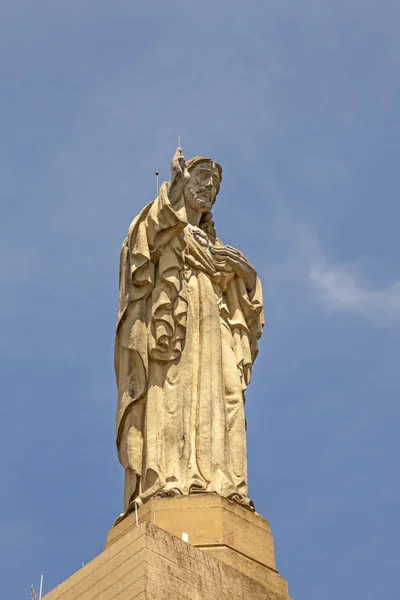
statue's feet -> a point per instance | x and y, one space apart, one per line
243 501
197 488
167 493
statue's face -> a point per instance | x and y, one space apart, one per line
203 186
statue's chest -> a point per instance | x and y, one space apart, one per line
200 237
199 256
198 249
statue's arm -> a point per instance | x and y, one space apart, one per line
179 178
165 217
153 228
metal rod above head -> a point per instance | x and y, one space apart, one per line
157 174
33 593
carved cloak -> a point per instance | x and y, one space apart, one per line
185 342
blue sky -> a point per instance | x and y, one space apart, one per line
299 102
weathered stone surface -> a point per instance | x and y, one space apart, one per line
190 314
147 562
221 528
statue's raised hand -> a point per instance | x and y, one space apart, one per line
180 176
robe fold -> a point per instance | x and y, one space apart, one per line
185 343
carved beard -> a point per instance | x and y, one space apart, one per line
192 199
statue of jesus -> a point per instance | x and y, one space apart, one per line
190 314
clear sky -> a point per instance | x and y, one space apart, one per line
299 102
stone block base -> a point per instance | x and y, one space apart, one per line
233 560
147 563
219 527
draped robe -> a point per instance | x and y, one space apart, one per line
185 343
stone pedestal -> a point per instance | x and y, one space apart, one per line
230 556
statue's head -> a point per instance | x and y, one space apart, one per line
204 184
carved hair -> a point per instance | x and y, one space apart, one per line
207 225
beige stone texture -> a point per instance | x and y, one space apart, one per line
189 319
146 562
219 527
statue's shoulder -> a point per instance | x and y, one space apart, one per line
139 218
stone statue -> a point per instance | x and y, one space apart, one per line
190 314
